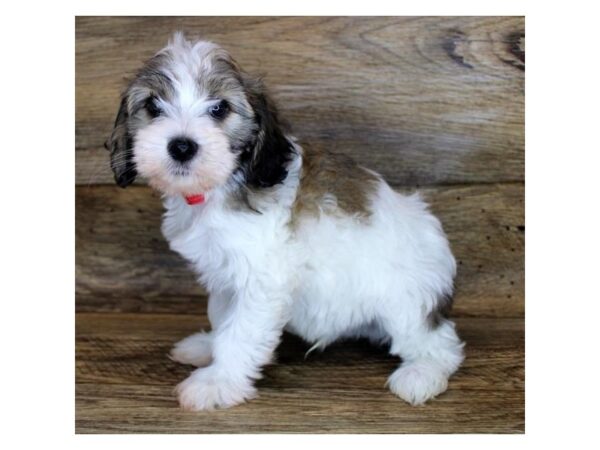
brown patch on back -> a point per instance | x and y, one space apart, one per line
332 183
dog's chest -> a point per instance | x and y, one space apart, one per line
226 247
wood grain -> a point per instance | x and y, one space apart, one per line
423 100
124 264
125 381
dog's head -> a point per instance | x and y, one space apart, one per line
191 119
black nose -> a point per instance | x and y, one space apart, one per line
182 149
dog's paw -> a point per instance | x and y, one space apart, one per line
205 390
195 350
416 382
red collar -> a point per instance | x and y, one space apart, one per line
194 199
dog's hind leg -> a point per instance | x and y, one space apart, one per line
430 354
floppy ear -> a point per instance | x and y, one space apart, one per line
120 145
264 164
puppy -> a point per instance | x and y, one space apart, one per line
283 235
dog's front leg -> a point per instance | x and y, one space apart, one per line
242 343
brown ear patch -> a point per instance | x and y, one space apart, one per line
332 183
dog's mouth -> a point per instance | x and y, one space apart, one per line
178 169
191 199
181 172
184 180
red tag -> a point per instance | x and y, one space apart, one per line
194 199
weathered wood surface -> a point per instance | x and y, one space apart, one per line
423 100
124 264
125 381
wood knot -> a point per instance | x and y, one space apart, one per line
515 47
456 47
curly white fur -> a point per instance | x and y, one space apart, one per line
331 277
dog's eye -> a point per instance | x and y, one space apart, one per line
152 107
220 110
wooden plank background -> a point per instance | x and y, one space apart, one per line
421 100
430 102
125 382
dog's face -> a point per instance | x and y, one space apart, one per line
191 119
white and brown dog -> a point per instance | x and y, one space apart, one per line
283 236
